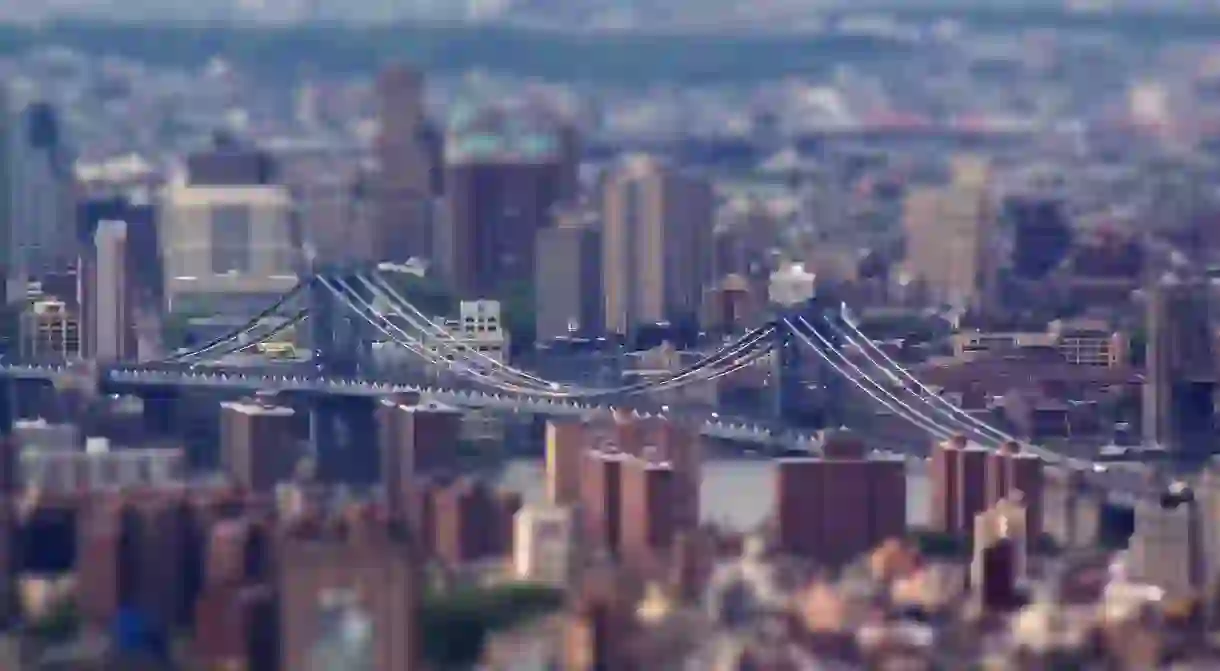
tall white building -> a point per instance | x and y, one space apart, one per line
111 316
221 244
543 544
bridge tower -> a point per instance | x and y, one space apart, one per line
808 391
334 329
338 424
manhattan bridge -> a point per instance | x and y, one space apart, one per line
340 308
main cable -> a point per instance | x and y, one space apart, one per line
382 288
877 356
930 427
982 427
234 348
244 330
345 293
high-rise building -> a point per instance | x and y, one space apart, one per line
113 333
543 544
349 595
944 470
833 508
1179 387
470 523
1167 547
601 501
1000 553
567 279
7 139
43 208
258 447
403 183
647 516
416 440
971 485
950 234
656 244
1011 471
566 443
227 237
497 201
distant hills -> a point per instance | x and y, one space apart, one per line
606 58
627 59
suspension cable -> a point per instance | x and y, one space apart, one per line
345 294
244 330
879 358
928 426
234 348
894 367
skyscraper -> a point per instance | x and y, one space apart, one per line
656 244
567 279
403 186
499 197
43 209
949 237
1180 381
112 333
349 596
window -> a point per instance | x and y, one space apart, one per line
230 239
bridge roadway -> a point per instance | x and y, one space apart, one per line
1122 485
468 398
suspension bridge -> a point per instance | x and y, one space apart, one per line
341 308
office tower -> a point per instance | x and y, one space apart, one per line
1180 381
416 440
403 182
648 492
1167 546
566 443
113 333
43 205
656 244
258 445
226 235
950 235
833 508
543 544
349 595
601 501
567 280
499 194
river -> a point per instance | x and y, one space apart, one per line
735 493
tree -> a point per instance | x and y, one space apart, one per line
456 624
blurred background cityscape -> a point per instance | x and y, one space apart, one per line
524 334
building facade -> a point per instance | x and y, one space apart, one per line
656 244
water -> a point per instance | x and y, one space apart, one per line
737 494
